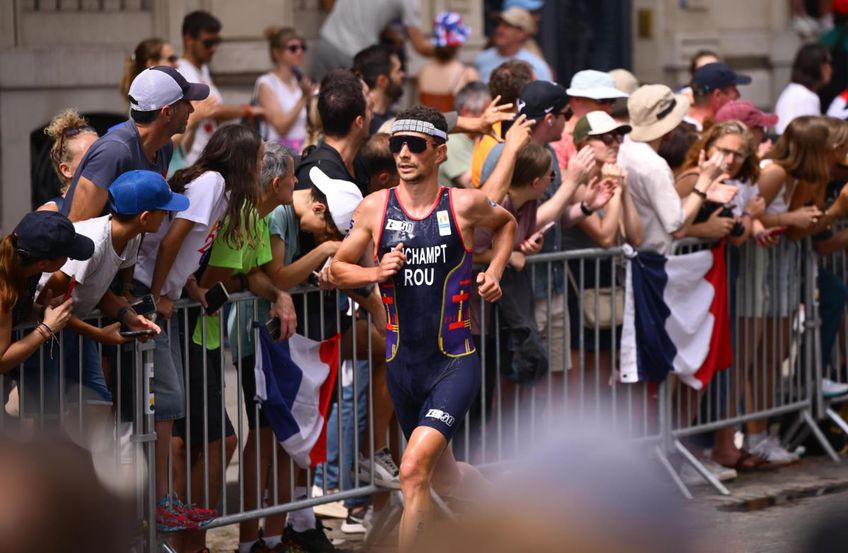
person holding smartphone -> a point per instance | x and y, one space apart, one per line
217 185
139 201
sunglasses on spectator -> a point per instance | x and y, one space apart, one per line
173 58
210 42
606 101
294 48
416 144
610 138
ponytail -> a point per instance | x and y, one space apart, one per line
12 279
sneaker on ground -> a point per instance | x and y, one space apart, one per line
335 509
692 477
357 522
313 541
169 521
831 388
386 472
772 451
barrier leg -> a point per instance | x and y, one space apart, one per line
837 419
671 472
811 424
702 470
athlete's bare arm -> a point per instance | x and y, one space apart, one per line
344 271
474 210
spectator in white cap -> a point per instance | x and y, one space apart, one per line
590 90
160 104
654 113
515 27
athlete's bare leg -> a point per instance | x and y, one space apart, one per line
454 479
425 448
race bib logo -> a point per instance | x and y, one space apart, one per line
440 415
399 226
444 223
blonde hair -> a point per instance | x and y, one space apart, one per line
11 273
64 129
802 149
314 127
277 37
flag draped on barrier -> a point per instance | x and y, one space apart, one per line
676 317
294 383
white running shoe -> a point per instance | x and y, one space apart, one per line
359 523
831 388
771 450
692 477
386 472
336 509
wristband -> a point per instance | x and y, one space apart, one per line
585 209
701 193
122 312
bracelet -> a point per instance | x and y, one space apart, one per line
244 284
122 312
48 335
700 193
585 209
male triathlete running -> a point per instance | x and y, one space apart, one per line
424 234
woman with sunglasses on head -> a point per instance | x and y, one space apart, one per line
72 137
42 242
150 52
284 92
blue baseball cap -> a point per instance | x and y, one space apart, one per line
529 5
137 191
713 76
48 235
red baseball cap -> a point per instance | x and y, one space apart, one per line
748 113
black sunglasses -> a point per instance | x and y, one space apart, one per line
210 42
416 144
293 48
173 58
611 137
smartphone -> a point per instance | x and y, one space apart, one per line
145 306
137 333
547 227
505 126
775 231
216 297
70 289
273 328
298 73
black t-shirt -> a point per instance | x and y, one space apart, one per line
23 307
834 187
330 161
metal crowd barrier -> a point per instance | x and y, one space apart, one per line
777 370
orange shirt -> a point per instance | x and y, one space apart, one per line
482 147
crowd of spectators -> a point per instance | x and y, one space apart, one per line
258 197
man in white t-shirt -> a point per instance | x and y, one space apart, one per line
353 25
201 38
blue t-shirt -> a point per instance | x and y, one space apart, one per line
488 60
115 153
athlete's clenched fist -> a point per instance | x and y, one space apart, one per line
391 263
488 287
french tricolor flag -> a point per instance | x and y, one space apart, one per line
676 317
294 382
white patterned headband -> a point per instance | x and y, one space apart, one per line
414 125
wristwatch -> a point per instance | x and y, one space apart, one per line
585 209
